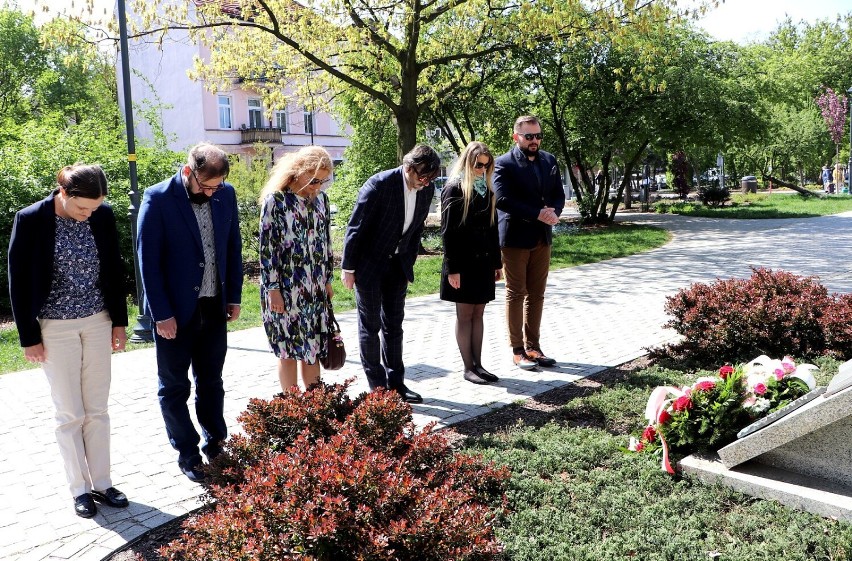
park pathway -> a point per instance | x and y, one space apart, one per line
596 316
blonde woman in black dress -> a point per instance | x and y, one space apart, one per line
472 261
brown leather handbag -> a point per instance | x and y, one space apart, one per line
335 352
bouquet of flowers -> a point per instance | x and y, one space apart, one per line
709 413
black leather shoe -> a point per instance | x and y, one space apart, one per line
194 473
474 377
112 497
407 395
539 357
486 375
84 506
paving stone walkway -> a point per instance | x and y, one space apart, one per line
596 316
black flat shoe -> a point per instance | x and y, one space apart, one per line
112 497
407 395
84 506
474 377
486 375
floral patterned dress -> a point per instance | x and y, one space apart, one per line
295 258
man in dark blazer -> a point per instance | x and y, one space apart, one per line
379 250
190 256
530 198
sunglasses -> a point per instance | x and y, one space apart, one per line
211 189
531 135
480 165
318 181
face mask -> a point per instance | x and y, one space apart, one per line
480 186
198 198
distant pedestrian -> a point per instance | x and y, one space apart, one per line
826 177
66 281
296 263
379 250
190 256
472 262
530 199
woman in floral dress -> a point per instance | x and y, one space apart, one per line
296 263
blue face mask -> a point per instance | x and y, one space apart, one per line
479 185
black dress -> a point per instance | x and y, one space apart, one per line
471 249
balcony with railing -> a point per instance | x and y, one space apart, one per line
251 136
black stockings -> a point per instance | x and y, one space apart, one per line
469 330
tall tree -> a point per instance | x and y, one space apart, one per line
407 55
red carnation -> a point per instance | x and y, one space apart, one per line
664 417
682 403
649 434
725 371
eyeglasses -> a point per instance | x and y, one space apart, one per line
531 135
318 181
211 188
480 165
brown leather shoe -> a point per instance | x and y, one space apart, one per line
522 361
539 357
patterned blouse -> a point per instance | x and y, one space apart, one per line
75 291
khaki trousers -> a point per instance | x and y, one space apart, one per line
525 271
78 360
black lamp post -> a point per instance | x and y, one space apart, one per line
143 330
849 163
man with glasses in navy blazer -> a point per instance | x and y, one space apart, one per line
530 198
190 257
379 250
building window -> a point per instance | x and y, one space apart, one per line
255 114
225 115
281 120
309 122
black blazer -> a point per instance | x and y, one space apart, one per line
473 244
521 196
31 251
375 228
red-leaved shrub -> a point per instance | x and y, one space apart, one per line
771 313
318 476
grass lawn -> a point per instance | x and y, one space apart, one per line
575 493
762 205
571 247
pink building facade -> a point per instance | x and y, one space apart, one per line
235 118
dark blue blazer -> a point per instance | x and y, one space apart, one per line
375 228
31 252
171 257
521 196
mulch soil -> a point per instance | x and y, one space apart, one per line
533 412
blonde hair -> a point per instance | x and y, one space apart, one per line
464 170
309 159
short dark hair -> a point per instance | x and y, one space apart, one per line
422 158
525 119
82 180
208 160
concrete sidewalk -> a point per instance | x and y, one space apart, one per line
596 316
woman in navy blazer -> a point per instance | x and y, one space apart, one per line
66 282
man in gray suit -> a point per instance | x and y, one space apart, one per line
379 250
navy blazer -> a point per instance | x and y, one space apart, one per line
375 233
31 253
520 197
171 257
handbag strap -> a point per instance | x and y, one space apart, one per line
332 321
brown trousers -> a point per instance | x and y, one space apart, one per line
525 271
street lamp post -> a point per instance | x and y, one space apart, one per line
849 163
143 330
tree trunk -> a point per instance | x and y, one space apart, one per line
792 186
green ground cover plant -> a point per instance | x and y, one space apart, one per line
576 494
572 246
761 205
